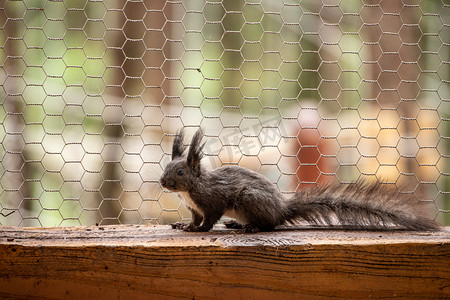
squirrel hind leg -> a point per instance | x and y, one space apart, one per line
248 228
232 224
257 228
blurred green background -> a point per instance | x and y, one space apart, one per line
305 92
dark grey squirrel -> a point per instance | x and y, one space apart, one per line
256 204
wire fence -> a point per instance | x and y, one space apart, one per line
305 92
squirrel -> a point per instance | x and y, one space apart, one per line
256 204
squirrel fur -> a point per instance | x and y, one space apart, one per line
257 205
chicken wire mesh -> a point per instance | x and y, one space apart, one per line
305 92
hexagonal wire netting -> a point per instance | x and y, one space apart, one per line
305 92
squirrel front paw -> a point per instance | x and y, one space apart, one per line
179 225
188 227
194 228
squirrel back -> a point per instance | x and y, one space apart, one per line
257 204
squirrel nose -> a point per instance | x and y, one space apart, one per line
163 182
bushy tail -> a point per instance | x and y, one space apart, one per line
359 205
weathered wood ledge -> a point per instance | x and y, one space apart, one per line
143 262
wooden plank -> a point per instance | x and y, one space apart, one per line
139 262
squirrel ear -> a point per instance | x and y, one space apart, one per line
178 147
195 153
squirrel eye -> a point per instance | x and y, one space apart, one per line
180 172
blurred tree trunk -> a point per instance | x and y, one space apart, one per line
13 182
391 50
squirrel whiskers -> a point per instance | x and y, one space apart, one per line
257 205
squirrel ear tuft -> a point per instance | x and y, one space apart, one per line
195 153
178 147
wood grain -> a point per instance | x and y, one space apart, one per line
143 262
